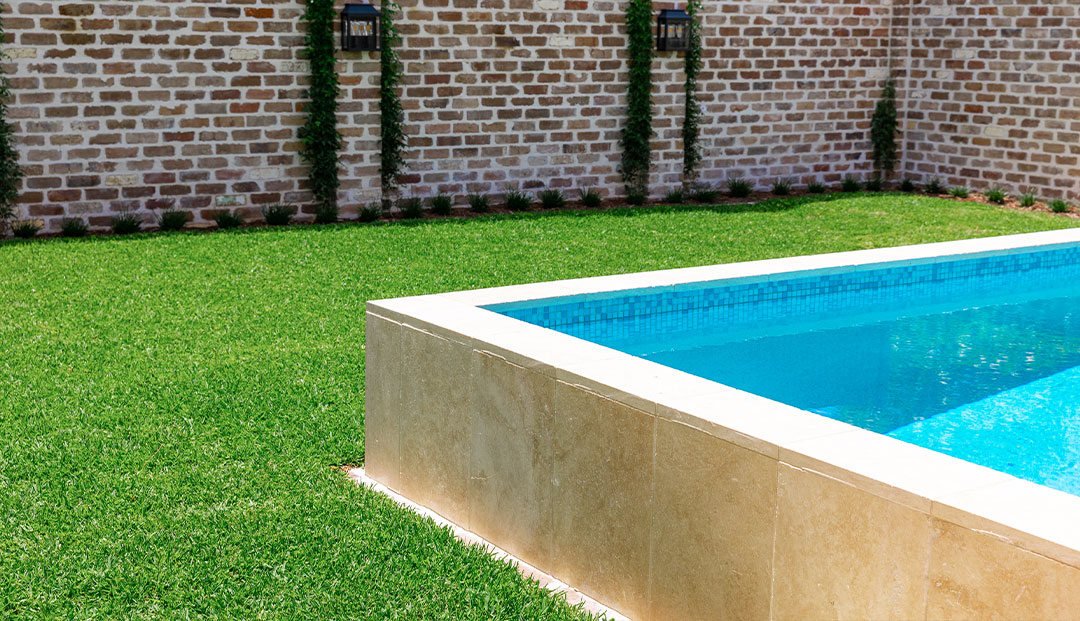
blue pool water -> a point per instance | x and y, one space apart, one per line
976 358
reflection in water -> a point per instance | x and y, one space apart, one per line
996 384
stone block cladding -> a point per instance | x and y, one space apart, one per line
195 104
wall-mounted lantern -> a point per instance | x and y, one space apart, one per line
673 30
359 28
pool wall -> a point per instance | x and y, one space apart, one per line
665 495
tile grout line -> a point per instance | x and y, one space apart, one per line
772 560
652 516
929 564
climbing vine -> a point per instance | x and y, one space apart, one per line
638 129
692 115
394 139
10 173
320 135
883 131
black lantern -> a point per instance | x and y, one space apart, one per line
673 30
359 28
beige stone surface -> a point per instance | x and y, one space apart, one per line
890 468
713 519
382 399
1032 516
510 467
841 553
975 575
436 402
601 498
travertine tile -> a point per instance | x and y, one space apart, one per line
842 553
603 454
382 400
1033 516
748 420
976 575
511 461
890 468
436 402
713 519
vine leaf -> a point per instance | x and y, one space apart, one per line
637 154
319 134
883 131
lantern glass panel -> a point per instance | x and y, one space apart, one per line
359 28
672 30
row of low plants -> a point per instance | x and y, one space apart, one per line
281 214
998 196
513 200
129 223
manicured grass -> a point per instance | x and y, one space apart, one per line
173 407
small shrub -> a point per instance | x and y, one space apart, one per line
326 213
411 208
74 227
1059 206
278 214
958 191
815 187
875 184
518 201
781 187
442 205
996 195
370 212
591 198
637 197
739 187
25 229
704 194
934 186
228 220
552 199
675 197
172 220
1027 199
850 184
126 223
479 203
907 185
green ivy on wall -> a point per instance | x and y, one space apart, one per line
320 135
692 115
638 129
394 140
883 131
10 173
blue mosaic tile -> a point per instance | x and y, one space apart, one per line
714 305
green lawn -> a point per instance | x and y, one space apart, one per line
173 408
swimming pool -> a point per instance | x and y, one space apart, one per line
885 433
974 357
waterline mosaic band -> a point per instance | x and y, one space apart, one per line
702 306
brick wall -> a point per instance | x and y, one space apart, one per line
193 104
789 87
990 94
530 93
147 104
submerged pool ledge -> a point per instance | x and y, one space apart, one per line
666 495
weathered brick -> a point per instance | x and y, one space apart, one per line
181 102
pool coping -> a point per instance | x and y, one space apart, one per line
1027 515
